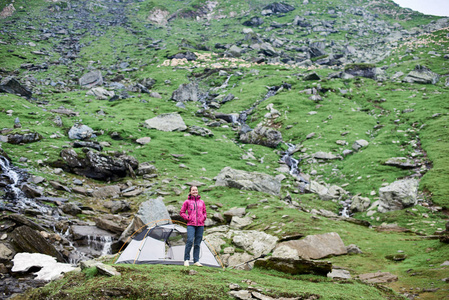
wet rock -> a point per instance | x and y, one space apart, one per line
28 240
32 191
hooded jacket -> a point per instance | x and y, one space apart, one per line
196 211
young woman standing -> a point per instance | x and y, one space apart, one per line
194 212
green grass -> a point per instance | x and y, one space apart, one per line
150 281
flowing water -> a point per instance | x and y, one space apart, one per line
14 200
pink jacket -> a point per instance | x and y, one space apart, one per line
196 211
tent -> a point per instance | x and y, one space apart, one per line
164 244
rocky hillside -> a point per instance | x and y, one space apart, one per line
315 130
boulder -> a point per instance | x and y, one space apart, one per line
26 239
364 70
317 246
196 130
253 241
262 135
186 92
279 7
252 181
166 122
234 212
80 132
91 79
12 86
6 253
117 206
239 261
378 277
109 191
325 155
340 274
398 195
100 93
401 162
146 168
49 268
26 138
151 212
359 203
8 11
239 223
295 266
359 144
423 75
96 165
325 192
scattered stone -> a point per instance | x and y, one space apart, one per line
378 277
166 122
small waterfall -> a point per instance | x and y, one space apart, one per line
107 242
292 163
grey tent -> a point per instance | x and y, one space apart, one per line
163 244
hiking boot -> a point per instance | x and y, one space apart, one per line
186 263
198 264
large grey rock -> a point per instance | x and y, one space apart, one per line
146 168
252 181
19 138
50 269
150 213
91 79
6 253
100 93
401 162
239 223
422 74
359 203
239 261
186 92
80 132
325 192
12 86
398 195
234 212
83 234
262 135
109 191
317 246
295 266
166 122
197 130
325 155
359 144
253 241
96 165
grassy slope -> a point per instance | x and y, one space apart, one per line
356 112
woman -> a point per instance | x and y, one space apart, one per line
195 217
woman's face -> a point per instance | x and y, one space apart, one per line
194 191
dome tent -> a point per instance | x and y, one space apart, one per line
163 244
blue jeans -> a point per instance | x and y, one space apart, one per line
194 236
